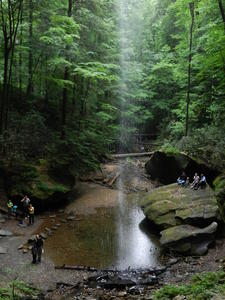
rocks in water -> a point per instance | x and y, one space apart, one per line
43 235
47 229
5 233
124 279
181 213
166 167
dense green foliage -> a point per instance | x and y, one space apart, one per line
203 286
81 78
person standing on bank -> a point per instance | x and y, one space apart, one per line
37 249
26 203
31 214
39 243
9 206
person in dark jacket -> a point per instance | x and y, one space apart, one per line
39 243
37 249
34 252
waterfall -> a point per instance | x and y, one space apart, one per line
129 27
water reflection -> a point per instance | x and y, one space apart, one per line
104 236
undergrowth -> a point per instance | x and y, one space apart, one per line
17 290
202 287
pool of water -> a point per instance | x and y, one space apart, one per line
108 232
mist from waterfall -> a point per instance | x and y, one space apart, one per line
134 246
130 16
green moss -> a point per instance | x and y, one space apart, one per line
166 205
36 181
202 287
219 184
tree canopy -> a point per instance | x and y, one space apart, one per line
82 78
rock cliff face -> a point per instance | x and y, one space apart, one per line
220 194
45 185
166 167
181 214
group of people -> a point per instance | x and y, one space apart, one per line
28 209
198 181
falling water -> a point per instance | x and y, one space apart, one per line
134 246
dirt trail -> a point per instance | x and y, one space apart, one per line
17 265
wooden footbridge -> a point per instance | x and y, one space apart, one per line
125 155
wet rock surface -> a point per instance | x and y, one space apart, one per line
189 239
182 213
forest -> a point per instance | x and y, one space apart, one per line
81 80
85 78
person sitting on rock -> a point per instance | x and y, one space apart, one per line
187 182
202 182
14 210
182 179
195 182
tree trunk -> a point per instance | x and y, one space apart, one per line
20 55
222 11
191 6
66 77
30 63
5 86
9 29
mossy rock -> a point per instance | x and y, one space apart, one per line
174 205
219 184
40 181
166 167
189 239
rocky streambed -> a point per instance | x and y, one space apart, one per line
183 218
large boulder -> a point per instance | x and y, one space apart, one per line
172 205
183 212
188 239
166 167
219 184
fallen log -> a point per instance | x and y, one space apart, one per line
83 268
124 155
78 268
110 183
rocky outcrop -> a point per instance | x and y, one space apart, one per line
166 167
181 213
46 185
219 184
189 239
